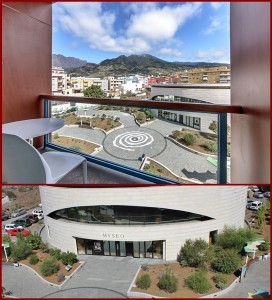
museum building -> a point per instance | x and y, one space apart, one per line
146 222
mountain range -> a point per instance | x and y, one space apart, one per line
128 65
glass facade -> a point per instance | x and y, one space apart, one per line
125 215
147 249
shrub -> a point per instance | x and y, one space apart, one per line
210 146
6 239
227 261
189 139
33 259
213 126
194 252
235 238
44 247
56 136
168 282
68 258
34 240
264 246
198 282
175 134
220 280
49 267
143 282
20 250
75 147
56 253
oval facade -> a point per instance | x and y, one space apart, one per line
207 210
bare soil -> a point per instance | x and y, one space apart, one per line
25 198
181 273
76 144
54 278
201 139
157 169
87 122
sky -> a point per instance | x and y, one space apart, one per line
172 31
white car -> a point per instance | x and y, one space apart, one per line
40 216
255 205
37 211
12 226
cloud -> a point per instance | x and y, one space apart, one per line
147 25
213 55
171 52
217 23
216 5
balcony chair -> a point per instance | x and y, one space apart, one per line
22 163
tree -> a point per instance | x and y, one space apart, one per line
93 91
194 252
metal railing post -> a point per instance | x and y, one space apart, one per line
222 148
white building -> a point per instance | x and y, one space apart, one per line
59 81
151 222
191 93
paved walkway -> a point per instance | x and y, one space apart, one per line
110 277
180 161
257 277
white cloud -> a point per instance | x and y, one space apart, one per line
147 26
213 55
216 5
202 54
171 52
216 24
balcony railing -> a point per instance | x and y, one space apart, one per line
220 110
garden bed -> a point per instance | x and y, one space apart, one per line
75 144
181 273
54 278
198 140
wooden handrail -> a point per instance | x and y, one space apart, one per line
200 107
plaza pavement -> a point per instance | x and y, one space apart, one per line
181 162
110 277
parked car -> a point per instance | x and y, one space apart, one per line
258 195
255 205
40 216
12 226
267 194
254 188
15 231
5 217
23 222
18 212
32 218
249 202
37 211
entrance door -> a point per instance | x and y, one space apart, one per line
129 249
117 247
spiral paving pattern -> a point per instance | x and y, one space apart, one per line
130 140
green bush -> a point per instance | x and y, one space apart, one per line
44 247
175 134
198 282
210 146
75 147
49 267
264 246
227 261
213 126
143 282
68 258
34 240
235 238
6 239
56 253
189 139
20 250
194 252
168 282
33 259
220 280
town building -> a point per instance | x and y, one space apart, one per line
151 222
59 81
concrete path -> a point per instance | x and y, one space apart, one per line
257 277
180 161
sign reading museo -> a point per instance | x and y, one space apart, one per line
113 235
